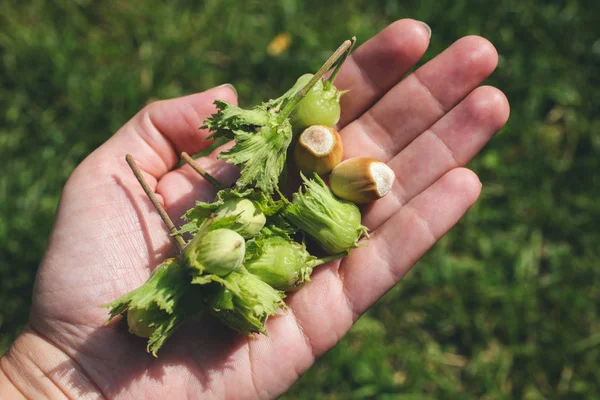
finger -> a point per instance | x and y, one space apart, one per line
420 100
157 134
378 65
449 143
326 308
393 248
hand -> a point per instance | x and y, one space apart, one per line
107 237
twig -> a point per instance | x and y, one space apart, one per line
159 208
339 65
186 157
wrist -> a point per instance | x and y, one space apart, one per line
35 368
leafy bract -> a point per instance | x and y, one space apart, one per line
333 223
279 261
261 142
163 289
225 206
244 303
163 331
160 300
230 118
261 155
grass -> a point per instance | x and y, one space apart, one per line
505 306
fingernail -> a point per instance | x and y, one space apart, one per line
230 86
427 27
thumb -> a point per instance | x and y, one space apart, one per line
158 133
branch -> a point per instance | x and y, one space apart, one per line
186 157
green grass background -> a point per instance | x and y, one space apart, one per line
505 306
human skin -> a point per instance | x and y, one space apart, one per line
107 238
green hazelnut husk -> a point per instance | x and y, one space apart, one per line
244 302
245 212
217 252
333 223
280 262
138 321
250 219
320 106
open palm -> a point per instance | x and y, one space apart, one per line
108 238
